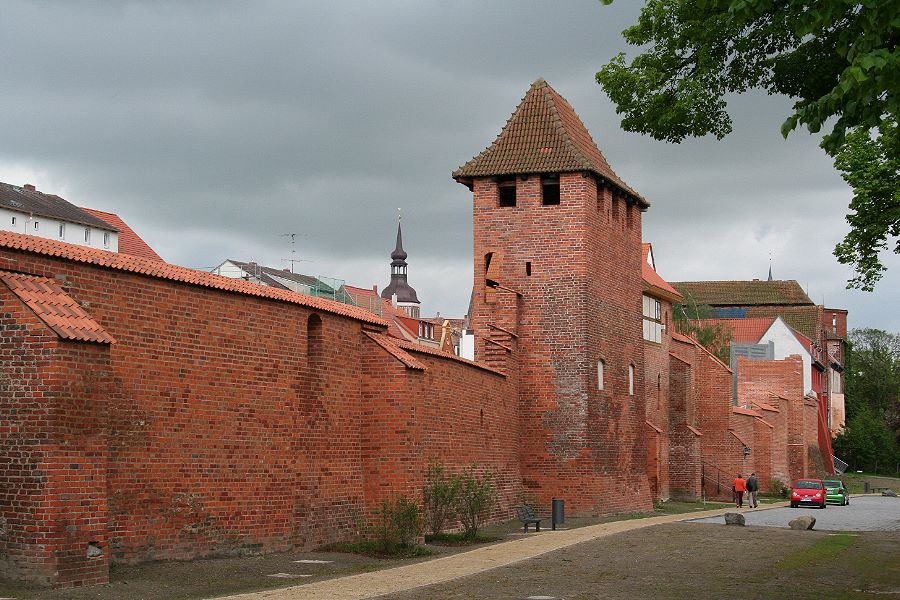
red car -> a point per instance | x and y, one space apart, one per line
808 491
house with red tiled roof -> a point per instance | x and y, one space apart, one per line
129 241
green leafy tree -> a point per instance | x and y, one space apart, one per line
867 443
693 320
837 59
872 375
871 165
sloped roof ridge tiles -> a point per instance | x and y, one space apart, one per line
441 354
59 311
387 343
543 119
170 272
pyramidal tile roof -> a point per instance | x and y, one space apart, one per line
163 270
543 135
54 307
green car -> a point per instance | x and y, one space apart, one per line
836 492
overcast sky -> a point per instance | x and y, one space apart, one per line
214 127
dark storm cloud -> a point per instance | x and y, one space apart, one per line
214 127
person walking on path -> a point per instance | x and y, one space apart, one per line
752 490
739 486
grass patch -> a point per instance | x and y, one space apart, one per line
825 549
855 481
375 549
459 539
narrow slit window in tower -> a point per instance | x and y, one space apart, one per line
528 268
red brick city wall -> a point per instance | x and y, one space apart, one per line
781 382
656 378
811 419
53 398
685 468
227 428
581 304
762 452
451 413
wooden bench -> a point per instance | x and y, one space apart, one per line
527 517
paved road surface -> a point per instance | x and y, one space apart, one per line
865 513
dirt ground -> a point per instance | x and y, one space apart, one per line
693 560
664 561
224 576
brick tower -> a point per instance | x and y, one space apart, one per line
557 303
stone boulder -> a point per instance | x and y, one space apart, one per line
734 519
890 493
802 523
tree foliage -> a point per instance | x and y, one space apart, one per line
693 320
871 438
837 59
871 165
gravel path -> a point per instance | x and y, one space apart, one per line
442 570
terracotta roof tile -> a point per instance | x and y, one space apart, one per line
765 406
55 308
744 293
804 319
164 270
739 438
391 347
435 352
653 427
543 135
744 331
745 411
655 283
682 338
129 242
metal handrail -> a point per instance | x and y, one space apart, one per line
839 465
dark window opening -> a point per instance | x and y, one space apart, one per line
528 268
550 190
507 192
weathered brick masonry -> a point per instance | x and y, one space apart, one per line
215 416
217 423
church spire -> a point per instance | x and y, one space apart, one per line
770 267
399 255
406 297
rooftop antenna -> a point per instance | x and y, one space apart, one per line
293 259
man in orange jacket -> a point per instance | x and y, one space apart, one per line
739 486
